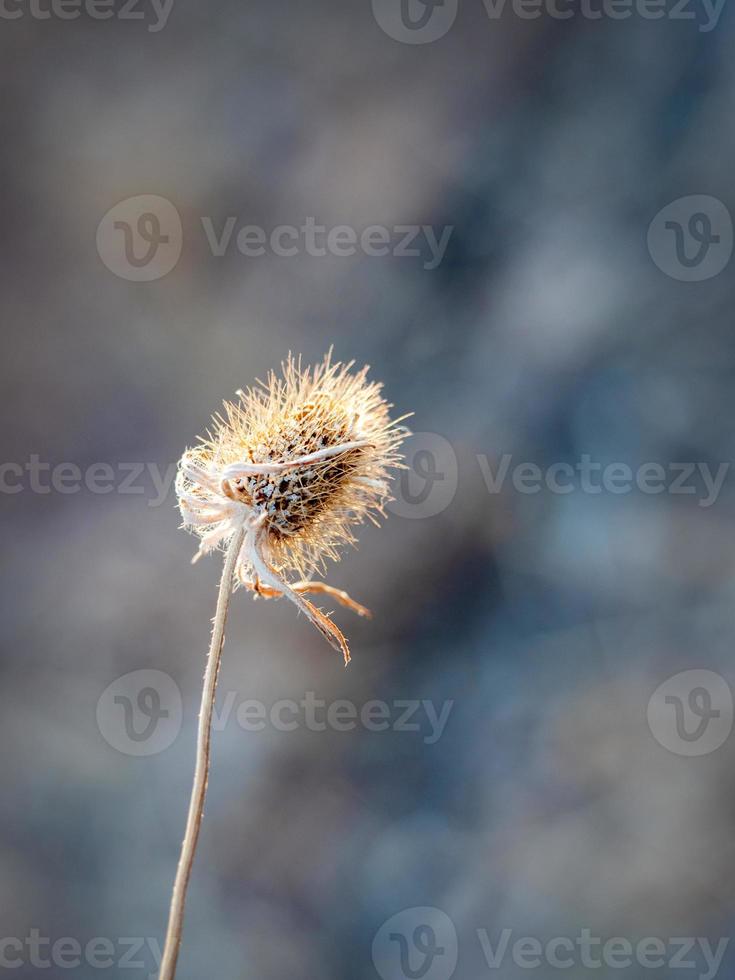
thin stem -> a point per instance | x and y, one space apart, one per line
201 770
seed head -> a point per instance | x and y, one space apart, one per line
297 462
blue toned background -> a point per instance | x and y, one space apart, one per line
556 797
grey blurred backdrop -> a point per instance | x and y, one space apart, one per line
558 794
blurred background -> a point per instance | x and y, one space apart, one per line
516 748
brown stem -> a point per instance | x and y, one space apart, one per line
201 770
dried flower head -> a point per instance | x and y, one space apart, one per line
296 462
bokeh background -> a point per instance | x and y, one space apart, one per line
547 805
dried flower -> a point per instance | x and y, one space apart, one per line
296 463
279 483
